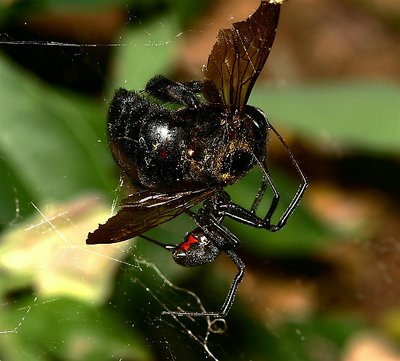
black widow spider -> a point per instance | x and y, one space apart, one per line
180 144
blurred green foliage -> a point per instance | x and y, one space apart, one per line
65 329
361 116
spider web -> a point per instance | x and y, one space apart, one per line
63 300
44 257
149 297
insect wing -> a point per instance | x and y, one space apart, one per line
142 211
238 57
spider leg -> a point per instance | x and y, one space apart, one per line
221 206
213 228
229 299
296 198
168 90
240 214
267 180
259 196
168 247
224 240
226 306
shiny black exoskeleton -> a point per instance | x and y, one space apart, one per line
198 145
180 144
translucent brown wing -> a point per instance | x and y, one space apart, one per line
238 57
144 210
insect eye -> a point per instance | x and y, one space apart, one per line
236 163
196 249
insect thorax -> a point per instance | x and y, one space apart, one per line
175 150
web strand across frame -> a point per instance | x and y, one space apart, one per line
199 333
53 225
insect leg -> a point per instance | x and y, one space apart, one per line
168 90
195 86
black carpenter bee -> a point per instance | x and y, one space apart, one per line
180 144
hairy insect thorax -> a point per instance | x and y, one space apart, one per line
174 150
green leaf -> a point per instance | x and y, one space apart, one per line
63 329
362 116
149 51
188 10
52 142
14 196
